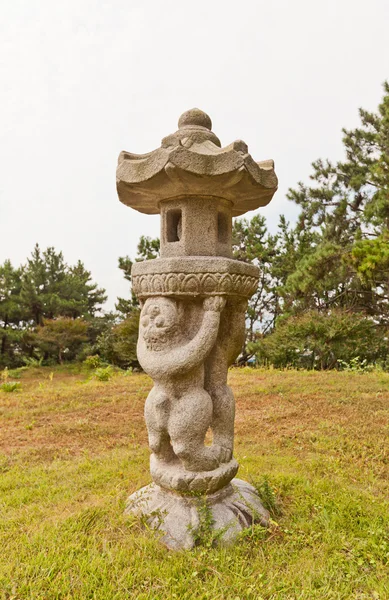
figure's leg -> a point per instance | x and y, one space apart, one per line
190 418
223 420
156 416
228 345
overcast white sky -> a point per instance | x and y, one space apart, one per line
81 80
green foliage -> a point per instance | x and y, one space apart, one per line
371 259
277 257
61 337
269 497
104 373
323 297
16 373
31 362
356 365
11 386
253 243
92 362
204 534
347 208
148 248
11 313
43 289
51 288
320 341
118 345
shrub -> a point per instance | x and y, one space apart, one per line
317 340
35 363
61 337
117 346
92 362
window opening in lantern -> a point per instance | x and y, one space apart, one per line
173 225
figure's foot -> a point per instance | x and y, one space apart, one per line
199 459
223 453
161 447
166 454
208 459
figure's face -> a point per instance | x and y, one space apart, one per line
158 322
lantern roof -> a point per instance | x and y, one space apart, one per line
192 162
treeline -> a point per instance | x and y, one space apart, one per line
323 299
51 312
323 295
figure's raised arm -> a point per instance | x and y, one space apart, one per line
188 356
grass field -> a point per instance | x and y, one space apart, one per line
73 448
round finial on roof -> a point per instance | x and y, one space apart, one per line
194 118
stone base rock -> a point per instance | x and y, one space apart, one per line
181 519
173 476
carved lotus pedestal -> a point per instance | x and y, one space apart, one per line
192 323
180 518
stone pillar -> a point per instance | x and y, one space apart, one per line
192 325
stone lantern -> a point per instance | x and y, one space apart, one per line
192 325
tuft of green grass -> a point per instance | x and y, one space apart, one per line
104 373
10 386
314 445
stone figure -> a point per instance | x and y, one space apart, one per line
192 324
178 409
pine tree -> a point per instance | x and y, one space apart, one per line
347 209
253 243
11 311
147 249
51 288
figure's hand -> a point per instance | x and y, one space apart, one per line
214 303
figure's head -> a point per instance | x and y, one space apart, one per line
159 322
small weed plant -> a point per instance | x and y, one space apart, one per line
204 534
11 386
356 365
269 497
104 374
16 373
7 374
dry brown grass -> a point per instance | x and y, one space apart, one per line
73 413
